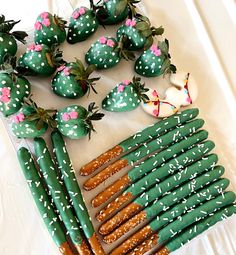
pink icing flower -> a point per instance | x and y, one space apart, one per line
5 91
60 68
31 47
75 15
65 116
130 23
120 88
38 25
4 98
46 22
66 71
81 11
110 43
155 50
19 118
74 115
103 40
44 15
126 82
38 47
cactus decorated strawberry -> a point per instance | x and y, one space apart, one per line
107 52
72 80
49 29
155 61
127 96
139 32
75 121
32 121
8 45
13 88
40 60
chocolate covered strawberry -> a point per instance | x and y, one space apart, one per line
72 80
8 45
155 61
32 121
13 88
40 60
126 96
75 121
49 29
139 32
83 23
107 52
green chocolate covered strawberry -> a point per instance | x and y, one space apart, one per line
139 32
8 45
40 60
126 96
49 29
13 88
155 61
32 121
107 52
83 23
72 80
75 121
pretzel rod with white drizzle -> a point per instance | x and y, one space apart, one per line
146 166
139 138
144 150
205 164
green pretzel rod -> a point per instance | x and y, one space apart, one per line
59 198
157 175
129 159
140 137
69 178
43 201
146 166
157 191
163 204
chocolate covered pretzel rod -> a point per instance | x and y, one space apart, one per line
157 191
59 198
43 201
144 150
146 166
163 204
69 178
157 175
180 223
197 229
139 138
186 235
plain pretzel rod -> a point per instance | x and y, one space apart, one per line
137 139
143 200
156 176
190 216
150 164
144 150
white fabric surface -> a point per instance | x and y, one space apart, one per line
202 40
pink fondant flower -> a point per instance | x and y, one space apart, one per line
155 50
130 23
81 11
38 25
66 71
126 82
75 15
38 47
65 116
44 15
110 43
74 115
5 91
120 88
46 22
4 98
133 23
19 118
31 47
127 23
103 40
60 68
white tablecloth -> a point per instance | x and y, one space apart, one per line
202 40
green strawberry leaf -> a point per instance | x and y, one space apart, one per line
20 36
90 69
7 25
2 19
146 33
157 31
120 7
148 43
142 25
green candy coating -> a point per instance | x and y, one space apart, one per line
158 128
66 85
163 203
83 27
190 172
161 157
199 227
171 167
189 203
27 128
8 46
149 65
69 178
195 215
49 35
102 55
56 190
19 89
41 197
